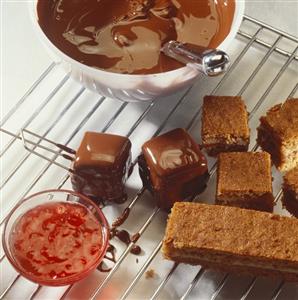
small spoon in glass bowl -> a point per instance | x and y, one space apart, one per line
211 62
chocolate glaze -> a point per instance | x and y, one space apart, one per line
101 167
101 268
173 168
126 36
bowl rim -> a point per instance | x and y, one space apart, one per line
70 279
237 19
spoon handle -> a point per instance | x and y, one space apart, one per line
211 62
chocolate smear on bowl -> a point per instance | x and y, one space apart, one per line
126 36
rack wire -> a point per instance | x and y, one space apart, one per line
253 34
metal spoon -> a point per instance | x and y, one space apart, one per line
211 62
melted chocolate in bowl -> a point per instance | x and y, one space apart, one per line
125 36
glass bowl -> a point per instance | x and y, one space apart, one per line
69 236
130 87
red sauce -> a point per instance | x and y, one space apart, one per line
56 240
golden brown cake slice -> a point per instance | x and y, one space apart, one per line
290 192
278 134
244 180
224 124
232 239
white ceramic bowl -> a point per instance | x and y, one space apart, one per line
127 87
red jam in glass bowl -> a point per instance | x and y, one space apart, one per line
57 242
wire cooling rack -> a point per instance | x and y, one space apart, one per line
264 71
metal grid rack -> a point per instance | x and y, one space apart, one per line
277 50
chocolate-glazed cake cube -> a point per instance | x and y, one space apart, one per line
173 168
101 166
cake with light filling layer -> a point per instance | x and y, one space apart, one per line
278 134
290 192
224 124
101 166
244 180
232 239
173 168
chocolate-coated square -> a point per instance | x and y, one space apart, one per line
101 166
244 180
173 168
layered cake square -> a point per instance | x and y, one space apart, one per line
224 124
290 192
173 168
278 134
244 180
101 166
232 239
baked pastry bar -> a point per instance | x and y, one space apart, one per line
278 134
244 180
290 191
232 239
224 124
101 166
173 168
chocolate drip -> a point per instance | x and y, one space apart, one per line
130 170
145 173
68 157
123 236
111 249
66 149
102 269
135 237
136 250
120 220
